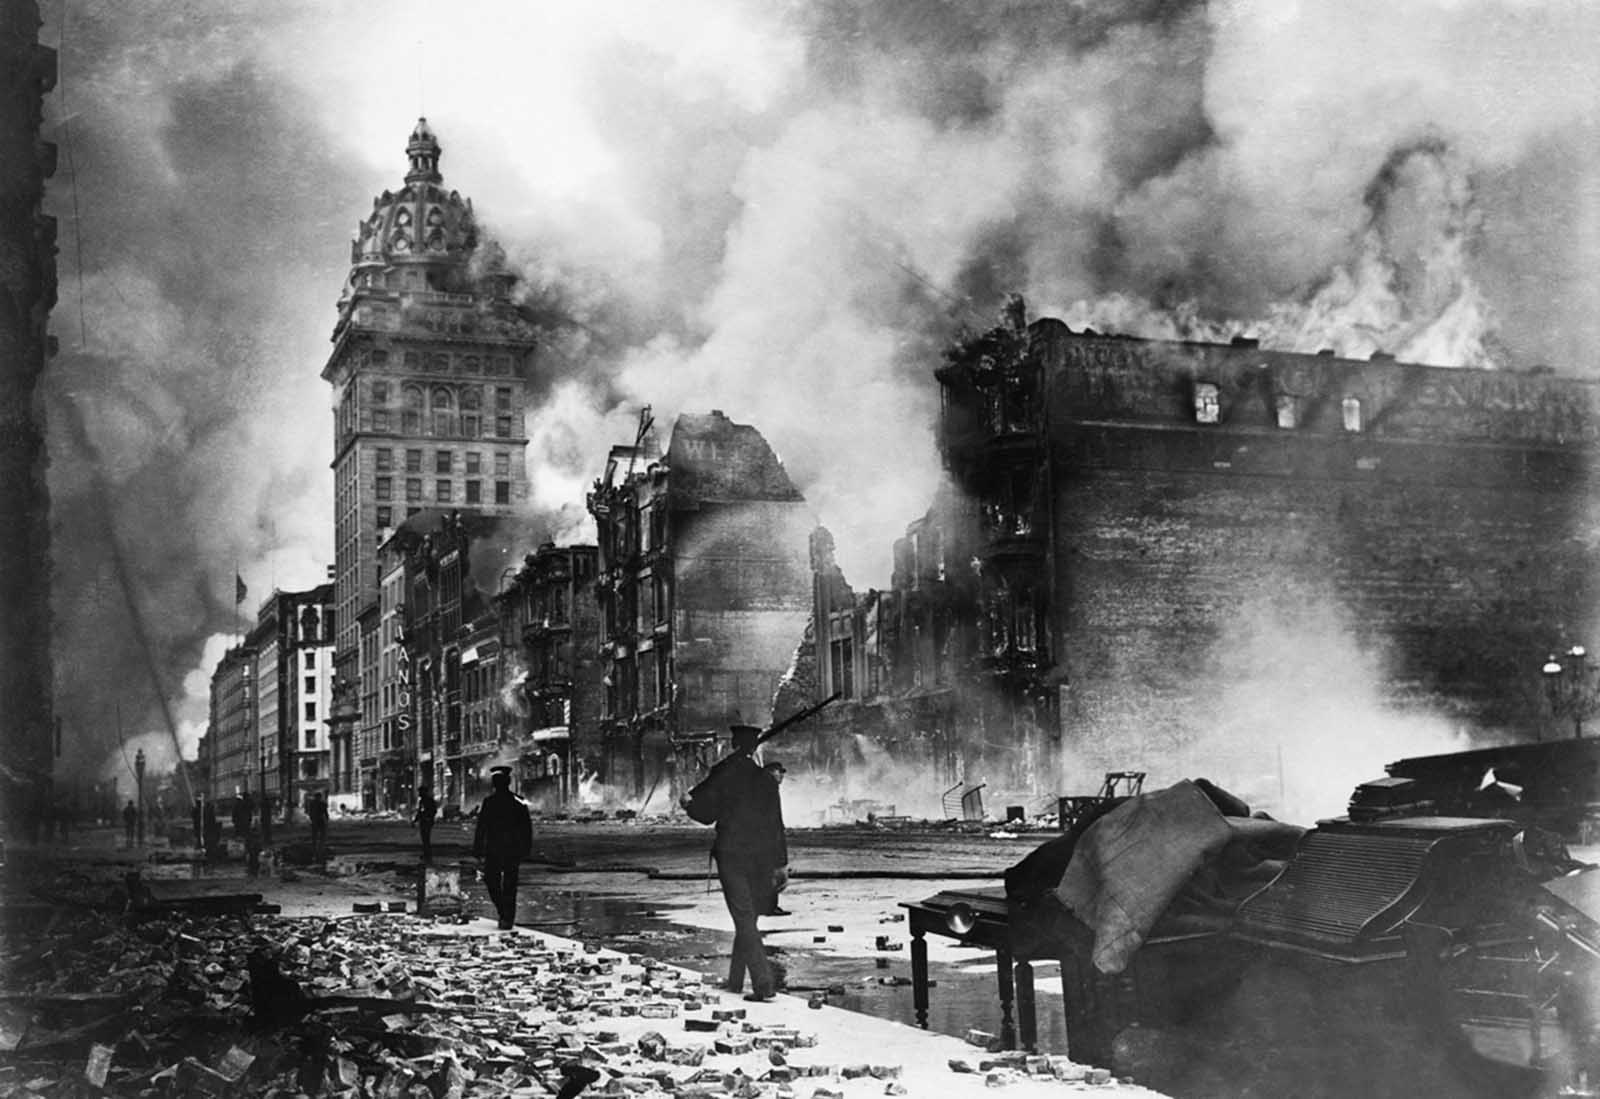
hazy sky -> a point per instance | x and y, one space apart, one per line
778 210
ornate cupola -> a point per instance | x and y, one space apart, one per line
420 238
423 149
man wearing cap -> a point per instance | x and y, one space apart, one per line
752 854
502 839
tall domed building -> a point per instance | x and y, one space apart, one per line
428 369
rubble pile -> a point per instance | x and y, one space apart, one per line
388 1005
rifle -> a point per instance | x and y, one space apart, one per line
797 717
694 797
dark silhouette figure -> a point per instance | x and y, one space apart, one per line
423 818
197 820
266 819
317 812
213 832
752 853
130 822
244 812
502 839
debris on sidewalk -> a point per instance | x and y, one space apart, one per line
167 1001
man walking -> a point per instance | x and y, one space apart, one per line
317 812
427 810
752 854
502 839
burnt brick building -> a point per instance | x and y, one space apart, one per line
1189 554
703 591
550 629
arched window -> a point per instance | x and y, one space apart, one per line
471 411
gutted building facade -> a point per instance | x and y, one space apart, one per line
1190 558
552 692
703 589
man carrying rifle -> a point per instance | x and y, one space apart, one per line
752 855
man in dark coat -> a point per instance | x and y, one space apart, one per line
751 851
130 821
427 810
317 812
502 839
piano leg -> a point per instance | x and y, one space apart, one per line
919 975
1008 1026
1027 1021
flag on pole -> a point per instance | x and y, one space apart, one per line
239 590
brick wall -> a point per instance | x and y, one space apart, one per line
1227 594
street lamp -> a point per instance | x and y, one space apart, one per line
138 769
1571 686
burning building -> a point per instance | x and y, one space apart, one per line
1178 546
429 377
702 592
550 624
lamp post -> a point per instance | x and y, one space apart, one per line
1571 686
138 770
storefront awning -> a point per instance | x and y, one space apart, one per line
554 732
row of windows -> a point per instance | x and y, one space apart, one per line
1208 408
444 491
444 461
441 362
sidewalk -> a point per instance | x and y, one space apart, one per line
461 1010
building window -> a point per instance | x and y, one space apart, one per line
385 459
311 713
380 392
310 661
502 426
411 416
380 419
383 487
311 685
443 412
502 492
1352 414
502 463
841 656
502 399
474 492
413 492
442 461
442 492
1207 404
413 461
311 742
385 517
474 463
1288 411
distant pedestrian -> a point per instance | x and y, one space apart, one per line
427 810
212 828
196 820
743 801
502 839
244 812
130 822
252 852
317 812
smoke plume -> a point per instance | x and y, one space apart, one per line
782 212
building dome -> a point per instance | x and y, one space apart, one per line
421 226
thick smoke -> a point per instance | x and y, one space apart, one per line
779 212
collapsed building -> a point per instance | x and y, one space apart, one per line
702 591
1182 556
